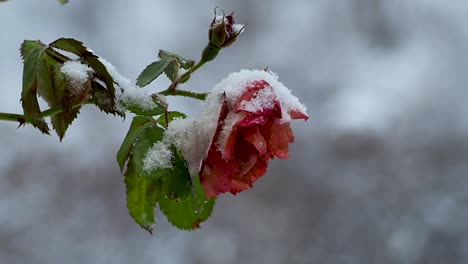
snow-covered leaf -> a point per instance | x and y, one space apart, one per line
177 184
143 142
52 86
104 101
76 47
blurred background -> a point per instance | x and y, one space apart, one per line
379 173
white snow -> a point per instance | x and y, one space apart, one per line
127 92
159 156
193 136
238 28
184 134
77 75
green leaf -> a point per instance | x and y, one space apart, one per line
184 63
29 46
177 185
142 194
51 81
29 101
139 123
171 115
62 1
136 108
189 213
72 45
52 87
172 70
152 72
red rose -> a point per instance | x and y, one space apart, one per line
250 131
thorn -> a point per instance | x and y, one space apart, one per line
196 224
22 122
266 69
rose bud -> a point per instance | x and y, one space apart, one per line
253 127
222 33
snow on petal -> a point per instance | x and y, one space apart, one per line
236 85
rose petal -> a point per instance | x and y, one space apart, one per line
215 174
217 180
244 182
297 114
280 137
254 137
230 143
247 121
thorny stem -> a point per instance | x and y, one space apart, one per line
198 96
49 112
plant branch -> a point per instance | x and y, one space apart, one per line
198 96
49 112
184 77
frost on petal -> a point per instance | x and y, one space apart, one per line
159 156
237 84
259 99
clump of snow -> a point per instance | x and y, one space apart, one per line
193 136
159 156
77 75
127 92
238 28
185 135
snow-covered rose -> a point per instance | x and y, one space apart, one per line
252 128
